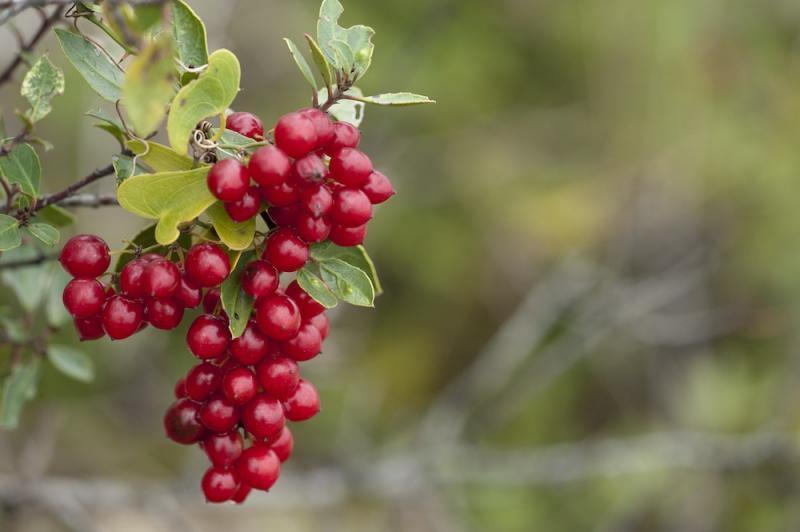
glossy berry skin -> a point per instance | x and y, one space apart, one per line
281 195
242 493
317 199
279 376
83 297
182 422
305 345
211 301
285 216
350 167
263 417
259 278
228 180
208 336
259 467
295 135
203 380
323 325
344 136
164 314
179 391
90 328
303 404
249 348
348 236
218 414
122 317
188 294
378 188
283 444
351 207
239 385
278 316
160 279
220 484
286 251
207 265
322 125
308 306
310 169
246 124
85 256
247 207
131 282
312 229
269 166
223 449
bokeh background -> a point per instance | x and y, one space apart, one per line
592 286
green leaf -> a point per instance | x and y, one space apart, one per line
150 85
44 233
56 216
317 289
210 94
22 166
397 99
321 61
15 329
236 303
71 362
301 63
349 283
357 38
159 157
189 34
354 255
349 111
235 235
18 388
57 315
146 238
100 73
41 83
124 166
9 233
172 198
29 284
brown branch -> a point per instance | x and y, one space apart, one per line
58 197
90 200
24 263
44 27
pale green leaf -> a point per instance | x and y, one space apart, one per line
235 235
317 289
29 284
71 362
15 329
55 215
57 314
103 76
42 82
397 99
124 166
44 233
158 157
349 283
357 38
18 388
354 255
189 34
22 166
301 62
349 111
237 304
150 85
9 233
321 61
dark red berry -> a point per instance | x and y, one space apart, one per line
122 317
208 336
378 188
160 279
242 493
131 279
317 199
304 402
207 265
295 134
344 136
228 180
165 314
285 216
350 167
263 416
223 449
203 380
269 166
180 388
278 316
90 328
259 278
85 256
351 207
322 125
247 207
239 385
310 169
309 307
259 467
348 236
305 346
182 422
188 294
246 124
220 484
286 251
84 297
312 229
323 325
250 347
281 195
279 376
211 301
218 414
283 444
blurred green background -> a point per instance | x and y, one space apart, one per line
591 283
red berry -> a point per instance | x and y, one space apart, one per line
259 467
350 167
304 402
90 328
312 229
131 278
180 388
203 380
187 293
278 375
259 278
218 414
242 493
317 199
223 449
122 317
323 325
322 125
84 297
263 416
285 216
305 346
246 124
281 195
283 444
85 256
286 251
348 236
308 305
310 169
250 347
228 180
208 336
378 188
278 316
182 422
239 385
344 136
351 207
211 301
165 314
245 208
220 484
207 264
160 279
269 166
295 134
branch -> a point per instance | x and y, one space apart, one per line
90 200
44 27
24 263
58 197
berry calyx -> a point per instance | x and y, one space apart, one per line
278 316
208 336
122 317
207 265
220 484
84 297
246 124
295 134
286 251
228 180
85 256
303 403
259 467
